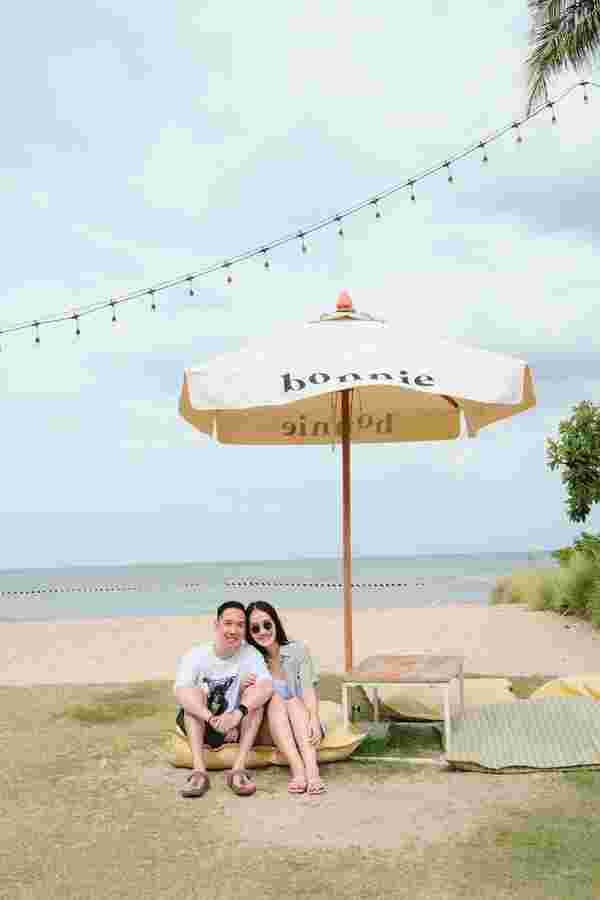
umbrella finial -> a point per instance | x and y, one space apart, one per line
344 302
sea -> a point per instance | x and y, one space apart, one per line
193 588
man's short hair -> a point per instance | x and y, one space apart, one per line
230 604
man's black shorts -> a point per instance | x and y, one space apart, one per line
213 738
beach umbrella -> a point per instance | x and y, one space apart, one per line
351 378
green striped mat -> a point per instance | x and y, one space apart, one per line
547 733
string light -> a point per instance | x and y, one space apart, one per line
336 219
37 341
585 93
77 328
519 138
375 203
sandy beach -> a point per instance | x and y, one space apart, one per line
508 640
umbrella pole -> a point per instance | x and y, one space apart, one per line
346 532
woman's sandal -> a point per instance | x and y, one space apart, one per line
245 787
196 785
315 786
297 786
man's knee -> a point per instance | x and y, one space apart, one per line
256 714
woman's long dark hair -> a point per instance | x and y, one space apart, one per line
280 635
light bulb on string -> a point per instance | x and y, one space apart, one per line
191 290
75 318
114 314
550 106
340 232
303 246
375 203
226 266
37 341
411 184
584 84
266 263
450 175
519 137
484 158
152 300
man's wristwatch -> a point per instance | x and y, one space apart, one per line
243 709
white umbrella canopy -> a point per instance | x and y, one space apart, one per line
351 378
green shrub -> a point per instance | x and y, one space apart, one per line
579 579
588 544
549 590
594 604
574 588
522 586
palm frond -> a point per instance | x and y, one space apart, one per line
565 35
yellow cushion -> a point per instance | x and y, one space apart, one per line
425 701
570 686
339 742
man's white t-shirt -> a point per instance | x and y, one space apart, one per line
220 676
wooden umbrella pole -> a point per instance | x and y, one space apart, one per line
346 529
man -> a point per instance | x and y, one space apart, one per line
216 706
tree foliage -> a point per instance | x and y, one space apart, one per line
576 454
565 34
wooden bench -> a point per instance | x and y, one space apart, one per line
407 668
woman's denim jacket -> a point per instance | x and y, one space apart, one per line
301 671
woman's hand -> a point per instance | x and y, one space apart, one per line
248 681
314 729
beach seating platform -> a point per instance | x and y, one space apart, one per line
531 735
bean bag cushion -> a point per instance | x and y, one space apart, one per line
571 686
339 742
424 702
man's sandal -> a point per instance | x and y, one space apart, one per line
245 786
196 785
315 786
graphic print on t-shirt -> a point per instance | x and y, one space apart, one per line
222 693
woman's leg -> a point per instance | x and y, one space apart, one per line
283 738
298 715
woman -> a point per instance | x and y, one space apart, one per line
292 720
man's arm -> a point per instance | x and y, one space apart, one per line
193 700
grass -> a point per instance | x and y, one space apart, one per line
571 589
561 854
81 820
403 740
136 702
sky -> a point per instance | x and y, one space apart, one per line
146 141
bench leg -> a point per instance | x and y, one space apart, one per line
447 718
345 706
375 705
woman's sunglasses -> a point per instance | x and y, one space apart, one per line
259 626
